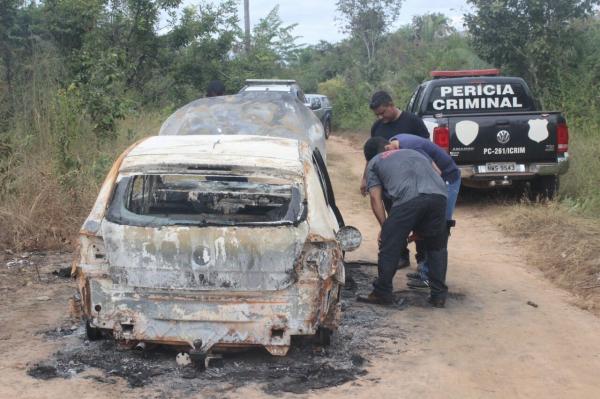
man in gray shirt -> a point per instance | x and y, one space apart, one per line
418 196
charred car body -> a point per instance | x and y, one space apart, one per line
214 241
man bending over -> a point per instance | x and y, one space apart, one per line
418 196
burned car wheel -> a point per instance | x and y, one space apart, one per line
92 333
324 336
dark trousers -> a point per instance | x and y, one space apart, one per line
404 252
426 215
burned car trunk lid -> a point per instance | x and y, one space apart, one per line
203 258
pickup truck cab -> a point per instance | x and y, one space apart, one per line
493 129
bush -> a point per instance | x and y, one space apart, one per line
350 103
52 164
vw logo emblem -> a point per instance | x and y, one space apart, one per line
503 136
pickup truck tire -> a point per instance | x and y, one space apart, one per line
543 188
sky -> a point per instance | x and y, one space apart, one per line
316 18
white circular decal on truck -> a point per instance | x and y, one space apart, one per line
467 131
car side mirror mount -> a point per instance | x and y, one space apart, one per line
349 238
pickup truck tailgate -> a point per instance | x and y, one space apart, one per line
510 137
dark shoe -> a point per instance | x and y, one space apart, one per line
403 263
418 283
437 302
376 299
414 276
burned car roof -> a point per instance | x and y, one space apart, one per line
248 113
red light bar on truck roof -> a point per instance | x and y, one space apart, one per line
465 73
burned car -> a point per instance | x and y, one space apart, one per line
214 242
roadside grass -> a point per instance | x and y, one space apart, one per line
564 245
46 194
563 236
580 187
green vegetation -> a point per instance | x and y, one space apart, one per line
82 79
554 45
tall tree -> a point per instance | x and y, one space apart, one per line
367 21
8 17
430 27
528 37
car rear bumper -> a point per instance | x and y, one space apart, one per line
211 320
524 171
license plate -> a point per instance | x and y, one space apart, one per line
501 167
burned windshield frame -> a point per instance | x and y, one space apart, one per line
119 214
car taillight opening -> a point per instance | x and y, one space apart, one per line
562 138
441 137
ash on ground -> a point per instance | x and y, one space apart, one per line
363 332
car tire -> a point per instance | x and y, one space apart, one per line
327 128
92 333
324 336
543 188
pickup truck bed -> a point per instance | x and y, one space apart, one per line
490 146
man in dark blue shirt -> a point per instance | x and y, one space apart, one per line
450 174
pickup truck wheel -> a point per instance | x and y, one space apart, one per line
543 188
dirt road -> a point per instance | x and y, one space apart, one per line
506 332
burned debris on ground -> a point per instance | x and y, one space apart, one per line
363 332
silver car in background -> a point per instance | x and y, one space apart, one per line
275 86
321 106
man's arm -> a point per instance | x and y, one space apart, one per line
376 195
363 182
